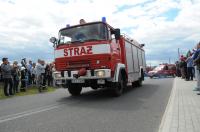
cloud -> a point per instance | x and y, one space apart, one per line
164 26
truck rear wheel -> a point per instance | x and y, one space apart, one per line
74 90
138 83
119 87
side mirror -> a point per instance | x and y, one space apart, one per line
117 34
141 45
53 40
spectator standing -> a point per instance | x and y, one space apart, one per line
33 73
194 66
29 68
23 78
40 71
189 61
43 74
53 70
48 72
1 76
16 75
196 59
183 67
7 76
51 74
178 71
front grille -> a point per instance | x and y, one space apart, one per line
78 64
61 65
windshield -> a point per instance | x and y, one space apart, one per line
83 33
158 68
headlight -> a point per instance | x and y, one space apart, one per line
57 75
100 73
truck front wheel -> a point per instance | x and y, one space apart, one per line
119 87
139 83
74 90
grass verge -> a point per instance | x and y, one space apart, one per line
29 91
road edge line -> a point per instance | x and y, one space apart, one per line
163 120
24 114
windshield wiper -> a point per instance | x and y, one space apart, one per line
78 41
93 39
82 41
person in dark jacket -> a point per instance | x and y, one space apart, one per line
33 74
1 76
48 72
190 67
178 71
7 77
183 67
16 75
29 68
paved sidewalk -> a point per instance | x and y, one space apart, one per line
183 110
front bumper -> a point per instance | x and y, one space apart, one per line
90 75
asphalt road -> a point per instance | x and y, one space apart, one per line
137 110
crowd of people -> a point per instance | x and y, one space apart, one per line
17 78
188 67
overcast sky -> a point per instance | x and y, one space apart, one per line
163 25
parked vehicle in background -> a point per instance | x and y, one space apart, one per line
163 70
97 55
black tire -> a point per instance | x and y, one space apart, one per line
94 87
174 75
138 83
119 87
74 90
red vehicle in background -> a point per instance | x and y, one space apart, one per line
163 70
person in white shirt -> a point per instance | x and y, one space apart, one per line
40 69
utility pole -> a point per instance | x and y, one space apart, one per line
178 53
169 61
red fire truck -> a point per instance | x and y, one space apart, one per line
96 55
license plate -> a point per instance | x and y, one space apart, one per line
58 82
101 81
78 81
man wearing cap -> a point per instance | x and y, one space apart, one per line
7 76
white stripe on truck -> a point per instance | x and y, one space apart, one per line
82 50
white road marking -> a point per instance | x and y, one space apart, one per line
27 113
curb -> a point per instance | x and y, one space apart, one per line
172 95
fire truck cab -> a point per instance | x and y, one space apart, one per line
98 56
